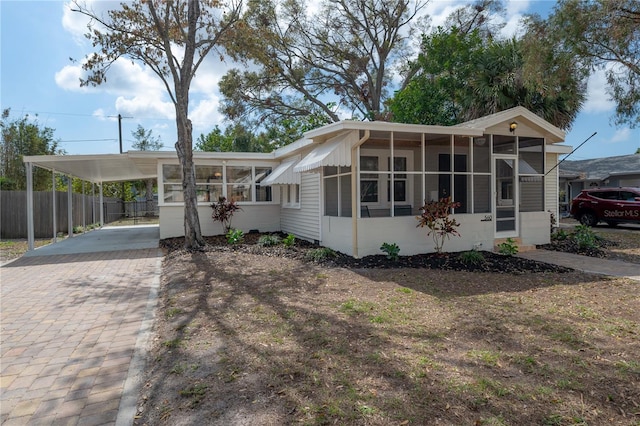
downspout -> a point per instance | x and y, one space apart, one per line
30 231
355 199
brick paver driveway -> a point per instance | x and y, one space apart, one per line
73 327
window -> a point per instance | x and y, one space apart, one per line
368 181
337 191
238 183
290 195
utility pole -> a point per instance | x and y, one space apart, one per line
120 131
120 117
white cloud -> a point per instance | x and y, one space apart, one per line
75 23
597 98
621 135
68 78
205 115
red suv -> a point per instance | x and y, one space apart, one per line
611 205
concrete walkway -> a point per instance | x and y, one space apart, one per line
76 316
594 265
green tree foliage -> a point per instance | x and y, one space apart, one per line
603 34
20 137
145 140
347 50
234 139
461 76
172 38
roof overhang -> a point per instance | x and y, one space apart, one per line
520 115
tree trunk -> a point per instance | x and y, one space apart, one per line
150 205
192 235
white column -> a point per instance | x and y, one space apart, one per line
30 232
54 215
84 210
70 205
93 203
101 205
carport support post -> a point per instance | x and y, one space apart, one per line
54 216
70 205
101 205
30 233
84 210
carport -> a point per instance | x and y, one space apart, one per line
94 169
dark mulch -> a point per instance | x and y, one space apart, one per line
490 262
571 245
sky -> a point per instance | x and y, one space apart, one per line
42 48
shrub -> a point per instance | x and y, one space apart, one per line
436 216
319 254
560 235
508 248
268 240
235 236
289 240
585 237
471 257
223 212
391 250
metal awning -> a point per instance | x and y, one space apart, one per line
283 174
335 152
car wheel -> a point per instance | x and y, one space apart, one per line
588 219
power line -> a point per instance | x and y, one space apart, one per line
88 140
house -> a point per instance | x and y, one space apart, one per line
353 185
622 170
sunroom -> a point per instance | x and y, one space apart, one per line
374 177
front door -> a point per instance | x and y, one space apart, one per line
506 201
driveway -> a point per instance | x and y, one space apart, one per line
76 316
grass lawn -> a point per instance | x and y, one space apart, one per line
266 340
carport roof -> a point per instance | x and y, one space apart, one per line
99 168
131 165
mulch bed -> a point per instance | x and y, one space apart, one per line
491 262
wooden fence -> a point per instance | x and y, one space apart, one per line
13 212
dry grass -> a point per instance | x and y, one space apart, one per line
246 339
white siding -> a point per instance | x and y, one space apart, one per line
264 218
305 221
372 232
551 190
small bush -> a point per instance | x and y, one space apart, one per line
289 240
471 257
560 235
436 215
268 240
320 254
391 250
585 237
223 212
508 248
235 236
